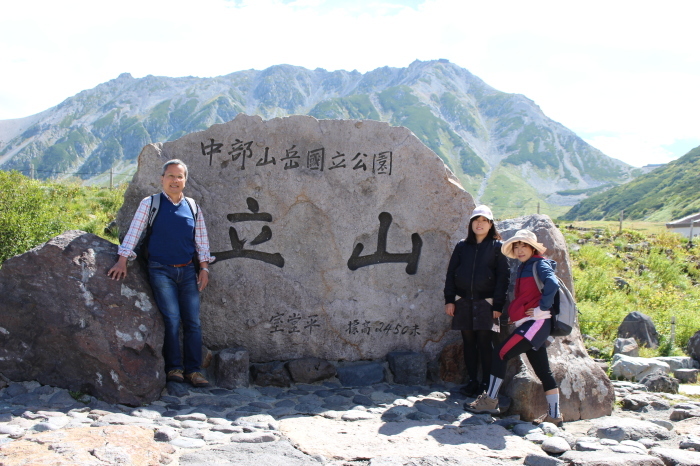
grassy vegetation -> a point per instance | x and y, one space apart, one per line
661 274
32 211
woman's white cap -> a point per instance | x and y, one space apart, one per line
482 211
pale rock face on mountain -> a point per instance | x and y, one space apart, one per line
332 237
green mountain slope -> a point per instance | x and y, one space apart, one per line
479 132
667 193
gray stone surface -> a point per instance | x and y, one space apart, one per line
310 370
408 367
636 445
639 326
247 454
607 458
432 460
680 414
619 428
555 445
232 367
659 382
686 375
271 373
303 267
588 445
189 443
690 441
80 330
11 431
693 348
663 423
525 429
253 437
677 457
679 362
626 346
165 434
630 368
542 460
361 374
635 402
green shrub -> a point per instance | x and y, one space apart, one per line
29 213
661 271
32 211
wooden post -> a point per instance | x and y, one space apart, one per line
692 222
538 208
31 170
622 215
111 178
673 330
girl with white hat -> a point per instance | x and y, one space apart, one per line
478 273
529 311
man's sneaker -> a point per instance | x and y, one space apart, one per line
175 375
470 389
557 421
483 405
197 379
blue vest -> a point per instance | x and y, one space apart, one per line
172 235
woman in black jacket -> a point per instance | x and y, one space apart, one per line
478 274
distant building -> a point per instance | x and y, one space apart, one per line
686 225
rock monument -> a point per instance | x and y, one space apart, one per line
332 237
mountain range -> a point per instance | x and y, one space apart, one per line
502 147
668 193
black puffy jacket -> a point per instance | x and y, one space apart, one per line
478 271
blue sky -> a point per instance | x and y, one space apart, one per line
623 75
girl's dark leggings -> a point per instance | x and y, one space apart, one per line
538 360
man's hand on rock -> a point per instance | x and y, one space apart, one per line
118 271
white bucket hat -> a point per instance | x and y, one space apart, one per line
525 236
482 211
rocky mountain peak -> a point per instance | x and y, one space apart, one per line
501 146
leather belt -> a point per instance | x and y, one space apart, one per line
181 265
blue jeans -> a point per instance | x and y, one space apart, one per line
176 294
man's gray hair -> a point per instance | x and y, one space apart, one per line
174 162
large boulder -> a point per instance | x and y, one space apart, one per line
332 236
679 362
629 368
640 327
626 346
660 382
586 391
693 348
64 323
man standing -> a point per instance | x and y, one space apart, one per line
177 233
